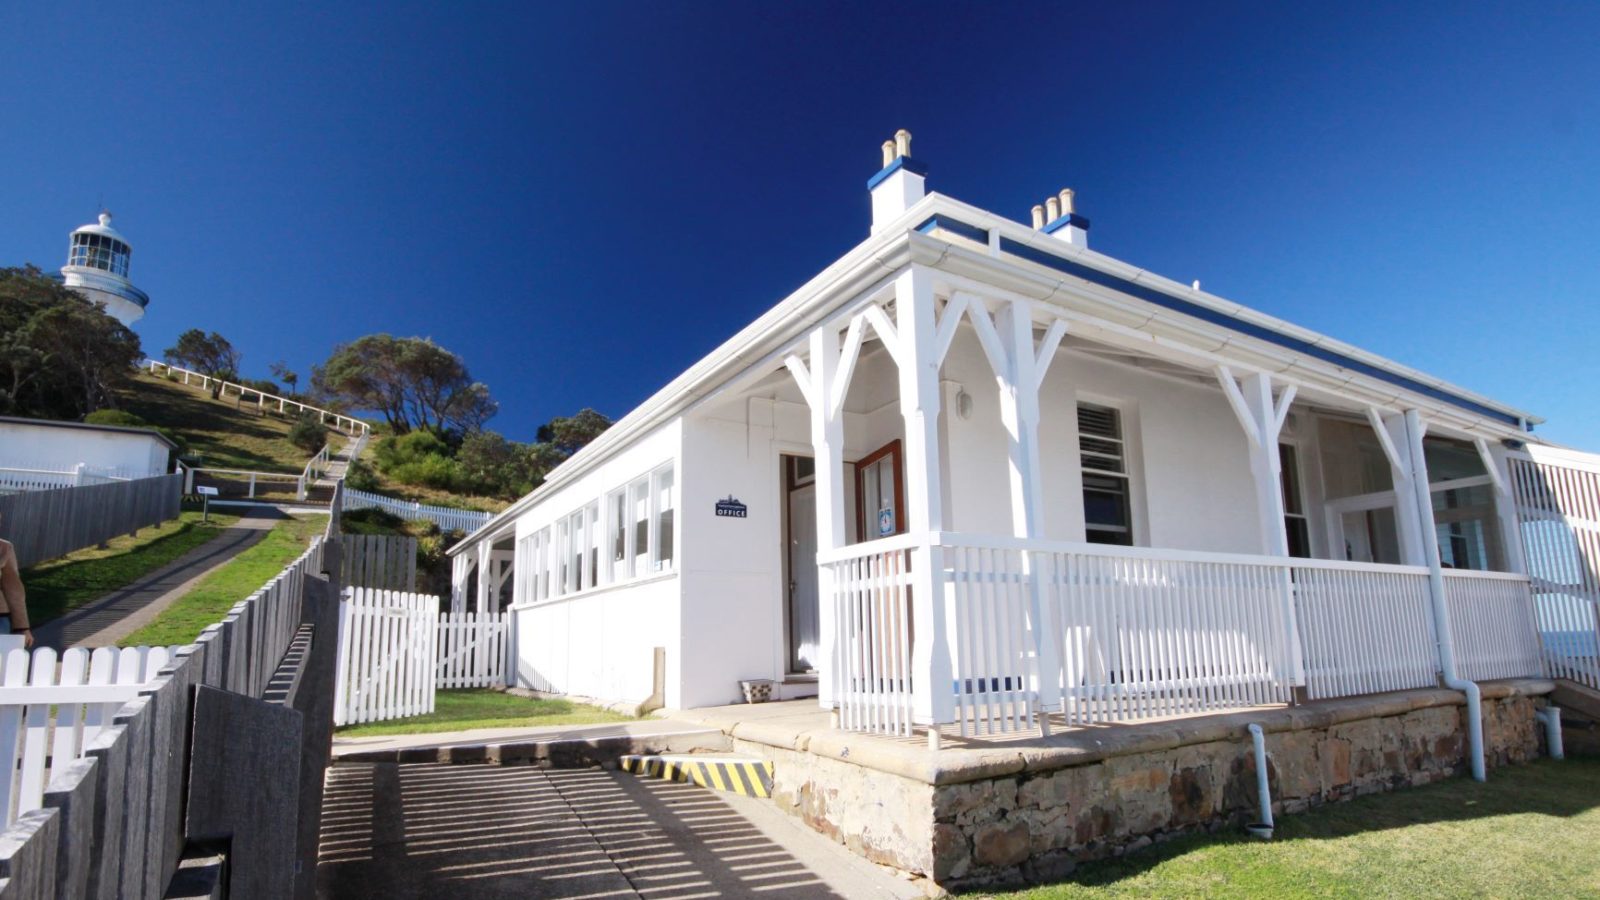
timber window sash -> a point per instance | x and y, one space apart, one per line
1103 460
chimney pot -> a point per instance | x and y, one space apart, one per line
902 142
1066 201
1052 209
888 153
1038 216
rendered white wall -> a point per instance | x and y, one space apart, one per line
734 610
1191 481
127 454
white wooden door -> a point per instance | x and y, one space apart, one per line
805 617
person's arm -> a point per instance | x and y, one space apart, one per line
11 586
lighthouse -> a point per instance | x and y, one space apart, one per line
97 268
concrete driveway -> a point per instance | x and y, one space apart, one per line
428 830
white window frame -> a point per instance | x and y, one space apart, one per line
575 553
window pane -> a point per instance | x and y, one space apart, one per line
639 493
664 520
617 508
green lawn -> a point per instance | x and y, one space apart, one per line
1530 831
211 599
485 708
64 584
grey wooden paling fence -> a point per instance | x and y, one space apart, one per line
46 524
386 562
228 743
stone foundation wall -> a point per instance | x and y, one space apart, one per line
1041 818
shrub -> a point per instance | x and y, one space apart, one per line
308 434
417 446
119 417
430 471
360 476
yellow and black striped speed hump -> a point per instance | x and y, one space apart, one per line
741 775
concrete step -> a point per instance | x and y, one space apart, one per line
738 774
551 747
1573 697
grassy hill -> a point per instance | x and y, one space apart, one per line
223 433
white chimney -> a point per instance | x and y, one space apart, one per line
1063 222
899 186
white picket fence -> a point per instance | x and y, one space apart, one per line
396 649
50 712
387 642
472 650
45 477
463 520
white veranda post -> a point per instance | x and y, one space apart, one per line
1019 369
1390 429
918 360
1262 418
824 390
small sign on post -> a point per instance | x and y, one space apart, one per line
206 493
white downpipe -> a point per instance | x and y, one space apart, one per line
1441 610
1551 717
1263 827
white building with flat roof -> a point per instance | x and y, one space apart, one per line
975 468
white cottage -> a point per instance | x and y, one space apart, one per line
974 470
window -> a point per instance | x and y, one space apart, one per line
563 557
880 493
631 533
639 499
591 545
1466 525
1296 527
1107 512
617 515
662 558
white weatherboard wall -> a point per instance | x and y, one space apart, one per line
130 454
601 642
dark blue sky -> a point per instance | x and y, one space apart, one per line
583 199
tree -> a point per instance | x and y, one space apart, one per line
281 371
209 354
61 356
412 382
570 434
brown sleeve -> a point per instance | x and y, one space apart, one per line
11 587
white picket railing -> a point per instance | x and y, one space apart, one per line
872 638
1123 634
1364 628
446 518
1145 634
263 399
50 713
1492 622
472 650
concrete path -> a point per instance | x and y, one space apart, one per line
477 831
111 618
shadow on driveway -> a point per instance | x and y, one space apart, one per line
427 830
